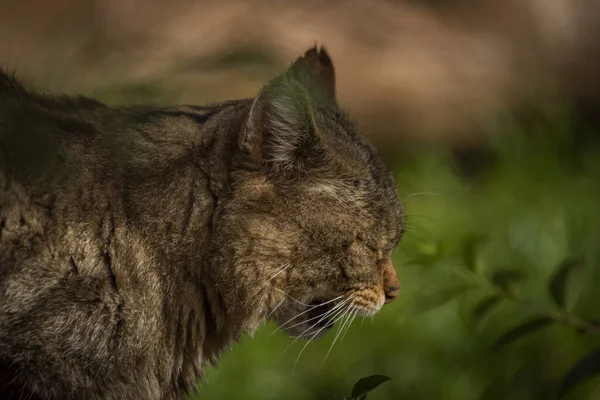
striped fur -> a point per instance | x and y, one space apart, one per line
138 243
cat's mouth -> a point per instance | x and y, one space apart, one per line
312 321
320 315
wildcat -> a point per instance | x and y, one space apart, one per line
138 243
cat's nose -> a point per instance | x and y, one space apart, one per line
391 283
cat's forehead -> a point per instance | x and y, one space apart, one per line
369 194
364 180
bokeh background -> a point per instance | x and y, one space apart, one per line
488 112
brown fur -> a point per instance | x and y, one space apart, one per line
137 244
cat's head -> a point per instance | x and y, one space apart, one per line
314 216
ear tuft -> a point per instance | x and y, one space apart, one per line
281 133
315 70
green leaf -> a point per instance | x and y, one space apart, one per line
470 251
484 307
585 368
505 279
558 284
522 330
365 385
439 298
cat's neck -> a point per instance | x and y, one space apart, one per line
176 208
184 173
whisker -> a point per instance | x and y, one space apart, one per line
276 307
408 226
331 312
308 305
304 312
278 271
417 194
293 299
335 317
311 339
349 325
349 314
318 316
333 343
344 325
412 223
418 230
282 269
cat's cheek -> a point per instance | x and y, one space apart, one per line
361 266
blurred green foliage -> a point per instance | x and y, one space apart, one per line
500 276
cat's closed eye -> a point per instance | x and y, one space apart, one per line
369 243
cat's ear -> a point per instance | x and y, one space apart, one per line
281 134
315 71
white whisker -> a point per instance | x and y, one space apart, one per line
333 343
348 314
308 305
276 307
342 328
334 317
293 299
311 339
278 271
334 312
350 324
337 306
304 312
281 269
437 194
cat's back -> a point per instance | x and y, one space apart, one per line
96 204
72 164
68 162
43 141
38 133
36 166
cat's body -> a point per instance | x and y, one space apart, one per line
118 231
136 244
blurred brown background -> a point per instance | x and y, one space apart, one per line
421 69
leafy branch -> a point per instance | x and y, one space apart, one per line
500 288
